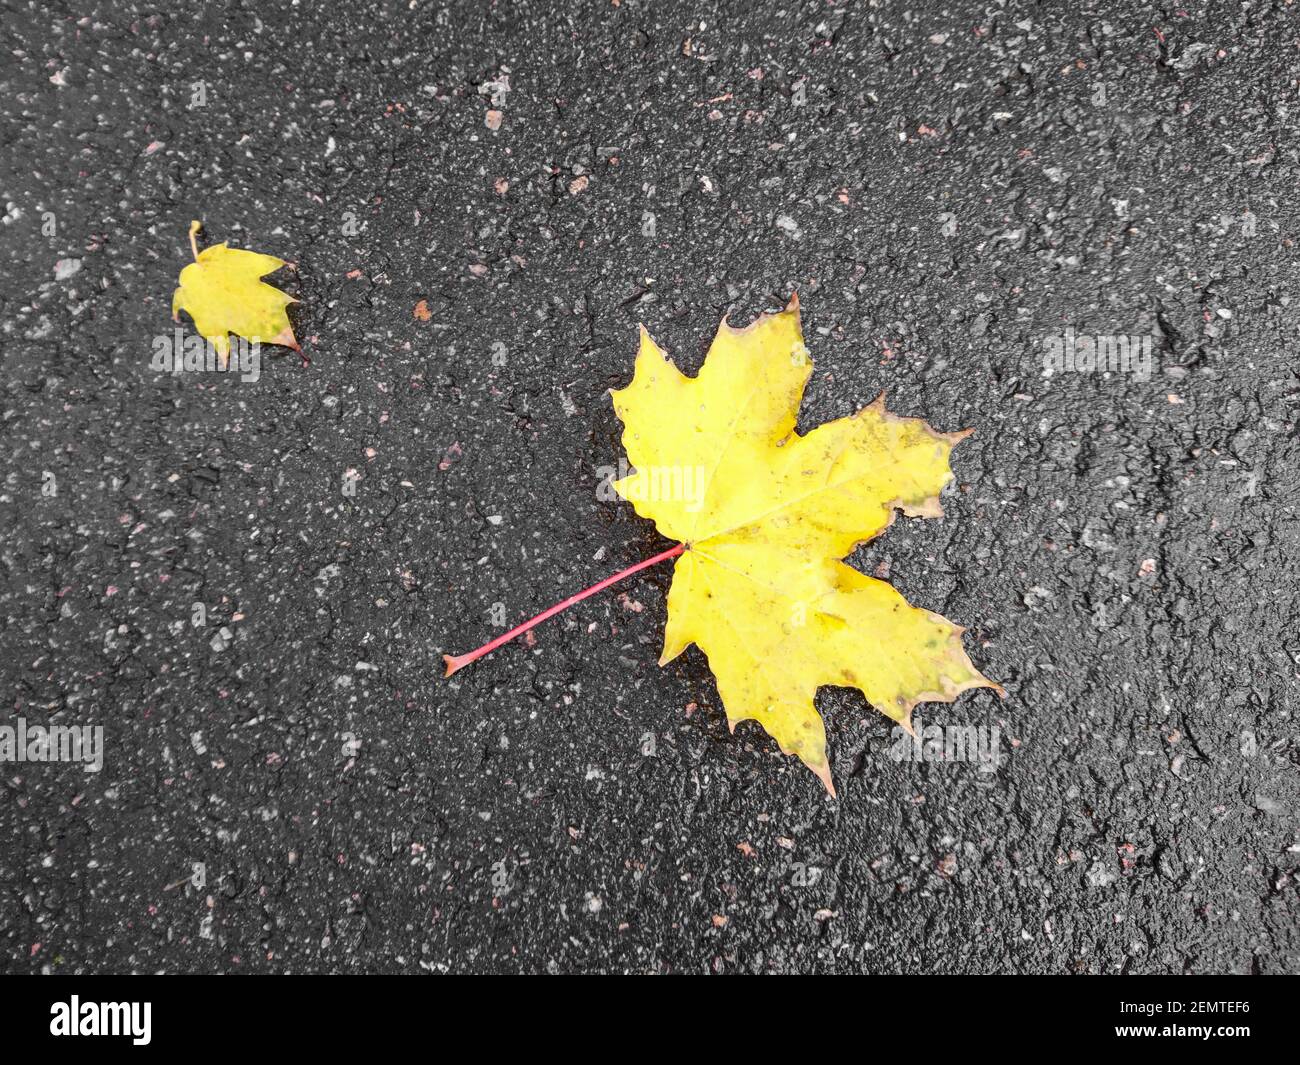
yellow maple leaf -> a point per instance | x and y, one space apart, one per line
222 291
766 514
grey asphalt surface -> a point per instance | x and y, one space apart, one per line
944 185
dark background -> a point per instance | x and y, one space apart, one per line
1112 167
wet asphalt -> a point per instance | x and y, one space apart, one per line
248 584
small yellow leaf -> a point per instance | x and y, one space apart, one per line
222 292
766 514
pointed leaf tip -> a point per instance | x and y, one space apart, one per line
823 773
